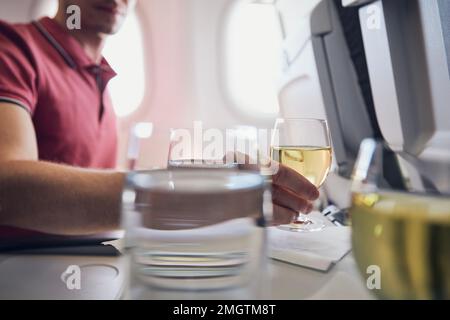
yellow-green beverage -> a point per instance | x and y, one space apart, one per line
311 162
408 237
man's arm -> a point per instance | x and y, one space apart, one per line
60 199
49 197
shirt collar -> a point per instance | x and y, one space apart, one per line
69 47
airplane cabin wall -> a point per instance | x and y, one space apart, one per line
185 67
15 11
300 94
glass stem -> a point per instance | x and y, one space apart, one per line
303 219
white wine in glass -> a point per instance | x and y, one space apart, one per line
311 162
304 146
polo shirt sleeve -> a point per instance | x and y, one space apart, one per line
17 73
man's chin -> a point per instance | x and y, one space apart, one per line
108 28
108 31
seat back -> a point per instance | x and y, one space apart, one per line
407 45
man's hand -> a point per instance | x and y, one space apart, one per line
291 193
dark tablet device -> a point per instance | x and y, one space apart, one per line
15 239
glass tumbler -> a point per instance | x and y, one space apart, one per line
194 230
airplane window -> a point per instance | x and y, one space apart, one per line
124 52
252 61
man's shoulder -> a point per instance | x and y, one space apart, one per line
23 30
17 38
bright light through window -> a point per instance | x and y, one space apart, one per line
253 62
124 52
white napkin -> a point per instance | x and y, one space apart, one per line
317 250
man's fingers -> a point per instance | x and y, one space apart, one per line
289 188
290 200
282 215
289 179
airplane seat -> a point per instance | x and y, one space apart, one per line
343 74
349 18
326 68
340 83
407 45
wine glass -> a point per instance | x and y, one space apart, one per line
303 145
400 217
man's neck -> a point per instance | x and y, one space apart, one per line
92 43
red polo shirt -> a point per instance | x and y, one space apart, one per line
44 70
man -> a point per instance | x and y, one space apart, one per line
58 131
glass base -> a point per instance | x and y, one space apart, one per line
308 225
